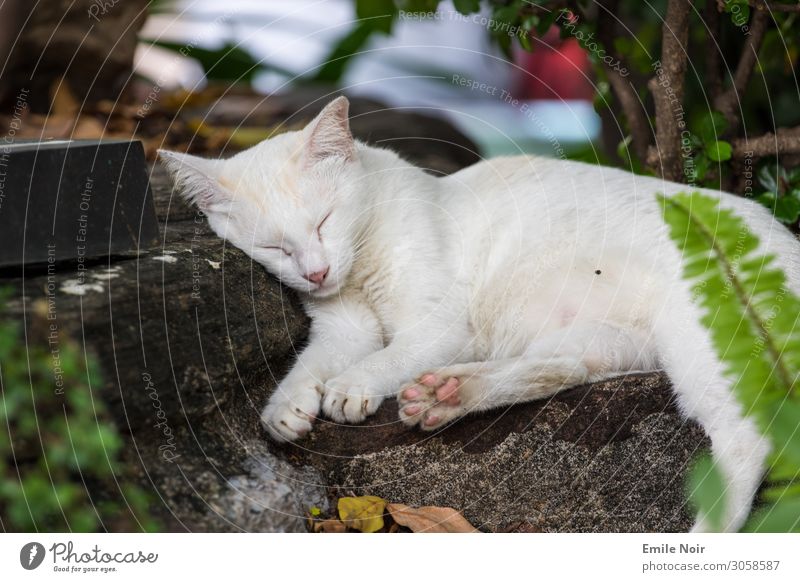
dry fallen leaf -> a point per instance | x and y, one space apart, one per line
63 99
87 128
240 137
430 519
362 513
330 526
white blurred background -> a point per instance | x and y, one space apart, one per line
425 64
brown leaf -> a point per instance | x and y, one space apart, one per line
64 102
87 128
430 519
329 526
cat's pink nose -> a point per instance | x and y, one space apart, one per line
318 277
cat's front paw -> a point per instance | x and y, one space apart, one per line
350 398
291 411
433 400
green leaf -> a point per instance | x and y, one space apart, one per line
785 427
506 14
740 16
701 165
780 517
467 6
719 151
785 208
751 313
545 21
711 126
768 176
773 494
227 63
623 148
707 491
524 40
504 42
419 5
377 14
336 62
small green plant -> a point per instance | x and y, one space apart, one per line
752 317
709 151
60 452
782 191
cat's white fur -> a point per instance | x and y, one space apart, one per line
518 277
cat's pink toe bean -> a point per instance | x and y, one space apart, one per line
429 380
432 420
448 391
410 393
412 410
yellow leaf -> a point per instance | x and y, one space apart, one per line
362 513
430 519
315 511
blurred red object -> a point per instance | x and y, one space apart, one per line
556 69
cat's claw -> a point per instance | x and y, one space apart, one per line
290 416
349 401
432 401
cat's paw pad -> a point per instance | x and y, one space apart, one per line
288 417
432 401
349 401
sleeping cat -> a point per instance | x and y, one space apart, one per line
511 280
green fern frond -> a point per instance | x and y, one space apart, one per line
752 316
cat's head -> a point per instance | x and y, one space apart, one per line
284 202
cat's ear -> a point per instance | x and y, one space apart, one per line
197 179
328 135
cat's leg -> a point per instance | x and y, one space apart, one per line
340 336
584 352
358 391
706 395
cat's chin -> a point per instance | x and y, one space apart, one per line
324 291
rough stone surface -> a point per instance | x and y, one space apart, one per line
191 337
606 457
274 495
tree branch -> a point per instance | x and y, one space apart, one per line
668 88
632 106
728 102
713 51
784 141
763 5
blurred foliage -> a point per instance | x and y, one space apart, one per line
780 191
228 63
752 317
769 102
61 467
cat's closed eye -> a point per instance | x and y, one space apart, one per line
277 248
319 226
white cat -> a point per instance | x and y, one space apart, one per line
508 281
